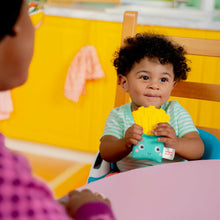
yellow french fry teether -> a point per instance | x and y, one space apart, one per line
148 117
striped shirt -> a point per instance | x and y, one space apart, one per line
120 119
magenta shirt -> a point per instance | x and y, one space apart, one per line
22 197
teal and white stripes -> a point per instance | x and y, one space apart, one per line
120 119
180 119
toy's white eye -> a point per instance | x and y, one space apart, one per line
157 149
141 147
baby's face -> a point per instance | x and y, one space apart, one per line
149 83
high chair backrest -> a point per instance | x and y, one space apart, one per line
128 30
195 90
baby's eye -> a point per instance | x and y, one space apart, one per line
163 79
144 77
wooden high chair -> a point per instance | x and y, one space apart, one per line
191 90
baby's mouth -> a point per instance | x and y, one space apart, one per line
152 96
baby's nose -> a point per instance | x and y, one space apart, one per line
153 85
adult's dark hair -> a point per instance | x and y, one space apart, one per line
151 46
10 10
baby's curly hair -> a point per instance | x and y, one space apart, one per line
151 46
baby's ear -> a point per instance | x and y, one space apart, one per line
14 31
122 81
174 84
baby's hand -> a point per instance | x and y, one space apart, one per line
168 134
133 135
77 199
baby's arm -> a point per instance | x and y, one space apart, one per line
190 146
113 149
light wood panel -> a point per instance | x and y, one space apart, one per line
128 30
196 90
198 46
193 90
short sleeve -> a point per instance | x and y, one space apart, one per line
185 122
180 120
113 124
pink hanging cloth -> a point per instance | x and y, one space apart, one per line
85 66
6 106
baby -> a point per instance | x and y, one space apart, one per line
148 68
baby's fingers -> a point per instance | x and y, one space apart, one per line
132 141
136 129
164 129
162 132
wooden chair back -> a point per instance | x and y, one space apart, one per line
191 90
195 90
128 30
